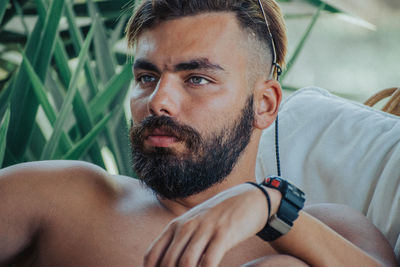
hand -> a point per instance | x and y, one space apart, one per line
202 236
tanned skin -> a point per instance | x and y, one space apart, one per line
71 213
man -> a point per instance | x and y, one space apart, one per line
202 96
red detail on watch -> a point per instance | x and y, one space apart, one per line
275 183
268 180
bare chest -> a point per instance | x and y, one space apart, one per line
120 240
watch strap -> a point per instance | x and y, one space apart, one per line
291 203
270 232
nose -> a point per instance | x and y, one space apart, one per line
165 99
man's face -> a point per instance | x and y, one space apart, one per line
191 105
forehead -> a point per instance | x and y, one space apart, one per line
216 36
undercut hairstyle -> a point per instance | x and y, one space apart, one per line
149 13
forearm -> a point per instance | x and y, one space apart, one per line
318 245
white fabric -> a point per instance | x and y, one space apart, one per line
339 151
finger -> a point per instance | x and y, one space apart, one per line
195 247
158 248
215 251
181 237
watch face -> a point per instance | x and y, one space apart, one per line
273 182
277 183
290 193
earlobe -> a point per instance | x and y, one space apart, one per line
267 97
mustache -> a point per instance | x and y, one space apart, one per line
169 126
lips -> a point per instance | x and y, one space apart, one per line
160 138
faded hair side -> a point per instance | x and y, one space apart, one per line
149 13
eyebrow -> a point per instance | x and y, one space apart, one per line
145 65
195 64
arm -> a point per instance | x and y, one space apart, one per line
35 195
203 234
356 228
335 235
19 212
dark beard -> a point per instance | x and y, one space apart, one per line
207 162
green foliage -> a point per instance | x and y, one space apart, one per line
326 7
3 6
302 41
58 109
4 121
51 146
23 114
316 3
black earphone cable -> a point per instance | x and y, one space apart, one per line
278 163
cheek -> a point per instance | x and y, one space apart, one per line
138 109
211 116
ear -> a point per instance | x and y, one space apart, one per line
267 98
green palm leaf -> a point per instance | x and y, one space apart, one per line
81 112
50 147
3 6
104 58
3 133
23 102
83 145
112 89
40 92
77 41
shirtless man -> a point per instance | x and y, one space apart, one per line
203 95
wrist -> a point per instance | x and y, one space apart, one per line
275 197
261 202
267 202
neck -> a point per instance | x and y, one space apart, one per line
243 171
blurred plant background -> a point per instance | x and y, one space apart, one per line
63 84
65 73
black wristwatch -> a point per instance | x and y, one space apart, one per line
292 202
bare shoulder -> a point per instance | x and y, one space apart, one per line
72 170
57 199
41 168
43 175
355 227
61 181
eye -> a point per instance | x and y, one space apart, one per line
197 80
146 79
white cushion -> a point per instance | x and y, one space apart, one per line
339 151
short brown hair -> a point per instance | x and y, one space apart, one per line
149 13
